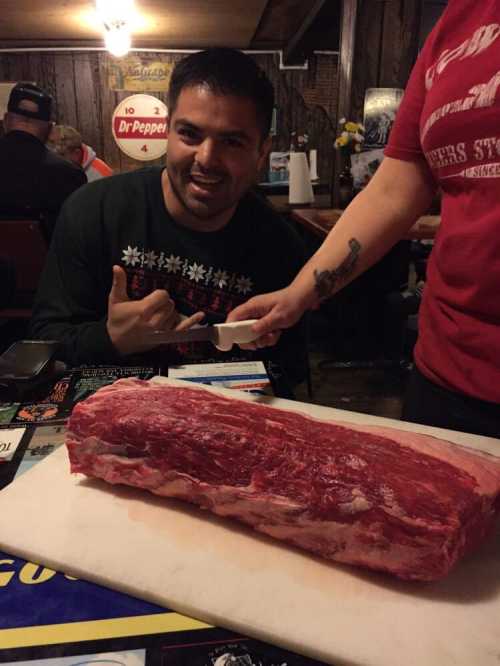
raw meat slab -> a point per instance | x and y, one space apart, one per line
386 499
185 559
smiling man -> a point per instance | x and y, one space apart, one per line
164 247
215 151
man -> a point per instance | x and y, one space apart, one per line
33 179
142 250
67 142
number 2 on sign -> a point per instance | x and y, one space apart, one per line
144 148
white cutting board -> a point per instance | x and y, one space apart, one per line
169 553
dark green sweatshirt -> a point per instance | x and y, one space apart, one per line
123 220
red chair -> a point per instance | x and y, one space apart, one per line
23 243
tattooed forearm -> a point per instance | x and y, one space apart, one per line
327 281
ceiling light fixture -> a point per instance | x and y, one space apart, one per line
117 40
116 17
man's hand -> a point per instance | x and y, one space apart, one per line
275 311
129 321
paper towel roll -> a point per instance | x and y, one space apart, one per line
300 188
313 164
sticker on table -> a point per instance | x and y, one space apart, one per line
32 595
9 441
128 658
250 376
45 440
139 127
37 412
238 652
86 381
8 411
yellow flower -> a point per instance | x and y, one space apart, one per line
351 127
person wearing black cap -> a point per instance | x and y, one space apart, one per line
34 180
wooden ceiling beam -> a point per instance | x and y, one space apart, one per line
293 49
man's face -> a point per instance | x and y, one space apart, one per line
215 151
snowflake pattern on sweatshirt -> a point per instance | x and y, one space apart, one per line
192 285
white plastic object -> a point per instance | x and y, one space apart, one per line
235 332
299 189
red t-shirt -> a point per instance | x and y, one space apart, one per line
450 115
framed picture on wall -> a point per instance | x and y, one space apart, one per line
364 166
381 105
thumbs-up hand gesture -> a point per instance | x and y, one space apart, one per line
129 321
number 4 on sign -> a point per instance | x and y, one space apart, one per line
144 148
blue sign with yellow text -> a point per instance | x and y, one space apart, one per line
33 595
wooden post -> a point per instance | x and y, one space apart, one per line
346 61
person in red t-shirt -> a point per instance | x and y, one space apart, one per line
446 135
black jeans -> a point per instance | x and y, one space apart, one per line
428 403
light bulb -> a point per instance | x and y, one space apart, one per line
110 11
117 40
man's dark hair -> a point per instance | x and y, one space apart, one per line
226 72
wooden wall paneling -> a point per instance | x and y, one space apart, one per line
16 67
65 90
295 115
4 68
322 139
42 70
306 99
369 36
37 67
87 93
22 68
319 90
346 60
345 78
99 82
387 46
400 42
270 66
108 101
301 111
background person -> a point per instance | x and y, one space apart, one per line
67 142
33 180
135 252
446 134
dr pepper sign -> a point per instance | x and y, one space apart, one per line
140 127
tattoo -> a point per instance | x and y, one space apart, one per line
326 281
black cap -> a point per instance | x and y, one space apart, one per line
32 93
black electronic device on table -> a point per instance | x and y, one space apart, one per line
26 364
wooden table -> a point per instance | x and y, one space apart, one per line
320 221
